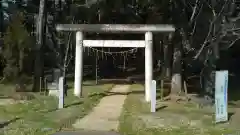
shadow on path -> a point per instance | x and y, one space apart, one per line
115 93
4 124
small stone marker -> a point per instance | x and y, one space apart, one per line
221 100
153 96
56 76
61 93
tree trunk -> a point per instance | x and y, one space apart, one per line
176 84
209 75
1 22
38 69
167 51
21 60
65 63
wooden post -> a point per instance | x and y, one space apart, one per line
96 70
40 84
45 86
162 88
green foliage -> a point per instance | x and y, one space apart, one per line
17 43
10 72
17 35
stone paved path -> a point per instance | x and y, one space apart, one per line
87 133
105 115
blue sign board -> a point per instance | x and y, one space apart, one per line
221 96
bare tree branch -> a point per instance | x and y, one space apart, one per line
205 41
194 11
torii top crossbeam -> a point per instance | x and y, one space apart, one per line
116 28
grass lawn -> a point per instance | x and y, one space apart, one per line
40 115
170 119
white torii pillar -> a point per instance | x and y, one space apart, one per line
148 65
78 64
114 28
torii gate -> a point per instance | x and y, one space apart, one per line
114 28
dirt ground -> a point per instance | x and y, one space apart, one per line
175 118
